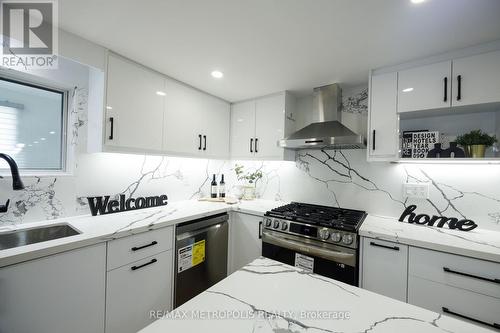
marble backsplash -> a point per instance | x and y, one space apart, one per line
329 177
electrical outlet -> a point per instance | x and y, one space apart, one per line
416 190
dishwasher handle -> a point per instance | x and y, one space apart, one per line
199 224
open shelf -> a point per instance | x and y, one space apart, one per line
451 123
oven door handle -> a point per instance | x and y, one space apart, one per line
328 254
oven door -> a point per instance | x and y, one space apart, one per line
325 259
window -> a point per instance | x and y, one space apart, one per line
32 127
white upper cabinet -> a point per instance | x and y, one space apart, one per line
149 112
257 125
476 79
195 124
242 129
134 106
215 127
184 113
425 87
270 126
383 122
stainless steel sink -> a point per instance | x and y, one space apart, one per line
22 237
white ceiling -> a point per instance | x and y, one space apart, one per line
264 46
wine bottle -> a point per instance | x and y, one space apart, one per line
213 188
222 187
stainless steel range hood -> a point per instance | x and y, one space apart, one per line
328 132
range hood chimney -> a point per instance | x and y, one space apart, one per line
328 131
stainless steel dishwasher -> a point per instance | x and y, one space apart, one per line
200 256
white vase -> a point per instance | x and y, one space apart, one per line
248 192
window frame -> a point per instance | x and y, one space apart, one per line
66 152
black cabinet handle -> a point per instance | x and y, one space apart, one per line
260 230
445 89
373 141
199 146
204 142
494 325
144 265
395 248
459 94
251 145
446 269
256 141
135 248
111 134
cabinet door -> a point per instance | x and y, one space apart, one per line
134 106
385 268
216 127
59 293
245 240
383 135
183 121
132 294
479 78
269 126
425 87
242 130
455 302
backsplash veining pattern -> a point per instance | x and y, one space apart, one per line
338 178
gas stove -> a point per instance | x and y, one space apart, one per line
327 224
319 239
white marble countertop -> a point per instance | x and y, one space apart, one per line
268 296
101 228
478 243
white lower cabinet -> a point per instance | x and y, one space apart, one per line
461 287
385 268
455 302
59 293
245 244
136 290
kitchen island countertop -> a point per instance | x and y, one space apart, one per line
268 296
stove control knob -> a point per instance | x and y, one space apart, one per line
347 239
336 237
268 222
276 224
284 225
324 234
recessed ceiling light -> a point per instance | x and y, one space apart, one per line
52 132
43 139
109 107
217 74
407 89
35 142
161 93
417 1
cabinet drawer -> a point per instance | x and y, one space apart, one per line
129 249
385 268
459 303
472 274
136 289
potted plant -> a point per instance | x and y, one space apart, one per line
475 143
250 179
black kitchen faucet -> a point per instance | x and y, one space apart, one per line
17 183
